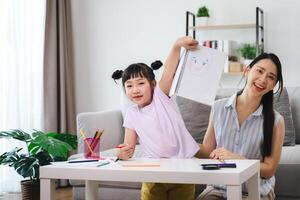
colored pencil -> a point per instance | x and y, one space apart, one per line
86 142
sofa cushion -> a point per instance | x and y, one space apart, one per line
282 105
294 94
195 116
290 155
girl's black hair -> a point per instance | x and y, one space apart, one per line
267 102
137 70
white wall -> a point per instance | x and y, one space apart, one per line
111 34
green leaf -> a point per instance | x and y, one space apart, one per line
9 158
203 12
247 51
65 137
43 157
33 148
16 134
54 147
28 167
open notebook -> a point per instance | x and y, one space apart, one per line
198 74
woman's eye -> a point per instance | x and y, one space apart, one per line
272 78
128 86
259 70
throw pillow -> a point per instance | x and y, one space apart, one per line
195 116
282 105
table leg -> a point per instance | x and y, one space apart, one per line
91 190
254 187
47 188
234 192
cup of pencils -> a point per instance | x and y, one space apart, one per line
91 146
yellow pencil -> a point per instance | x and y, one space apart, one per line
86 142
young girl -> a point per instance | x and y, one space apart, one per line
155 120
245 126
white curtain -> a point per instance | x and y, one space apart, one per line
22 25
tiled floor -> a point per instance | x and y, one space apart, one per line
61 194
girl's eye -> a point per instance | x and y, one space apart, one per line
141 83
128 86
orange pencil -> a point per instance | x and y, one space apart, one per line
86 142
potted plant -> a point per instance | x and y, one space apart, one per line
42 148
202 16
248 52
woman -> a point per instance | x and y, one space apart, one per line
245 126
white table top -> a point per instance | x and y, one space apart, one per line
168 171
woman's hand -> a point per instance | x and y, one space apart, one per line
125 151
224 154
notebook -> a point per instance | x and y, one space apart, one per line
198 74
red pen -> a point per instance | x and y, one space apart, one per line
120 146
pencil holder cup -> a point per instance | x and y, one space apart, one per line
92 148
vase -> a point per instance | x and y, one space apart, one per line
30 190
202 21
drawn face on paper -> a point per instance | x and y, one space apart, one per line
198 64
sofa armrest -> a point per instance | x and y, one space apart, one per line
111 121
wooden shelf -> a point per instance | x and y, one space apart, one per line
223 26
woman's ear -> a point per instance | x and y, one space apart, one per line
246 71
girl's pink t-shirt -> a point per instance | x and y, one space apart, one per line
160 128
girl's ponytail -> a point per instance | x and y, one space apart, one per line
156 64
117 74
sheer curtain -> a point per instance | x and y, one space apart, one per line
22 25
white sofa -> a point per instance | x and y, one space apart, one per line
196 118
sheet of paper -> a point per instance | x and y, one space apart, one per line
198 74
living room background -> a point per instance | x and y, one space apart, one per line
109 35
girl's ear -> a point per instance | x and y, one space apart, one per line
153 84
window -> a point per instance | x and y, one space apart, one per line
22 25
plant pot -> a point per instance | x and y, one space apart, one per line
30 190
202 21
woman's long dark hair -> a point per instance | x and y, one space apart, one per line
267 102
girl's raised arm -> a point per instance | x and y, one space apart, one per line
173 60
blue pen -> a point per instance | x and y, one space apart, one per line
81 161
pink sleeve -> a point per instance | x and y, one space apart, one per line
162 95
128 119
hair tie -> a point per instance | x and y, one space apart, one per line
117 74
156 64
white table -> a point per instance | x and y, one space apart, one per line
169 171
